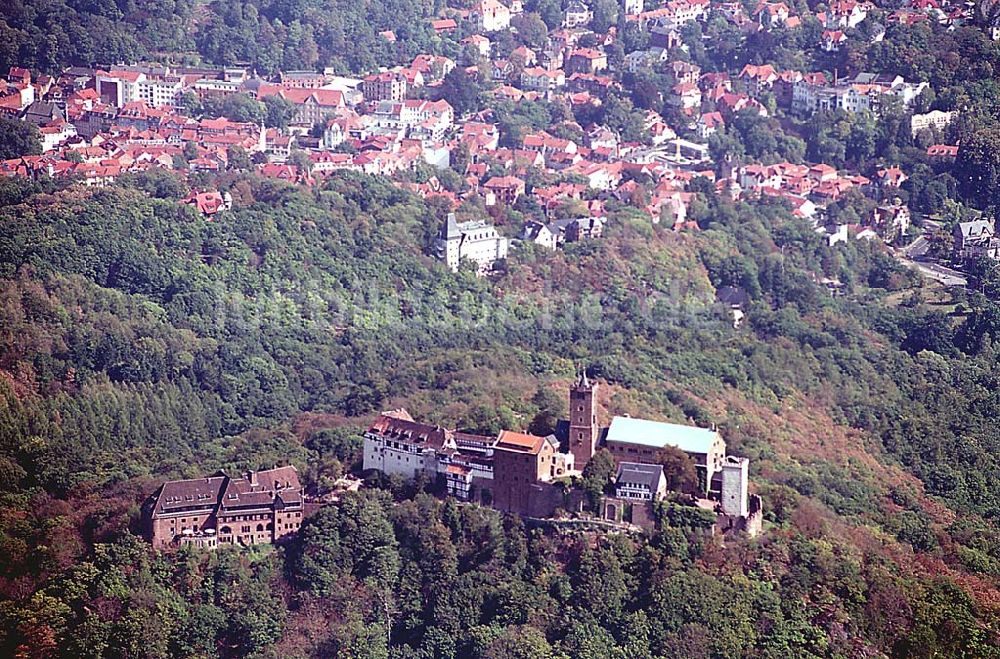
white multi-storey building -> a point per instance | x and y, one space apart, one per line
475 240
863 93
432 118
157 92
395 444
489 16
121 87
935 118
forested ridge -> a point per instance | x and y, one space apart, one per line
141 341
269 35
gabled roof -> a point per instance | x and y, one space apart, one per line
261 488
635 473
195 492
404 428
519 442
658 434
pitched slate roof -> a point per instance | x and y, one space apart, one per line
634 473
191 493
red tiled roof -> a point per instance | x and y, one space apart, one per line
520 442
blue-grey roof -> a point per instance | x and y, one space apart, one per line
635 473
657 434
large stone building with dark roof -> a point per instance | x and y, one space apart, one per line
258 507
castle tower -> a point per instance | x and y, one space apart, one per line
735 476
582 421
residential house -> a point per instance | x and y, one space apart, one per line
708 124
542 80
685 72
586 60
784 87
758 78
426 120
481 44
890 177
577 14
643 59
540 234
845 14
832 40
524 56
890 221
600 176
384 86
665 38
773 14
581 228
444 25
686 95
55 133
489 16
210 202
976 239
506 189
432 67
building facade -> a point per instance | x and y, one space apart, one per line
583 429
520 461
489 16
640 482
975 239
385 86
475 240
735 481
641 440
259 507
395 444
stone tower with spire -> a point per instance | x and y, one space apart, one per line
583 429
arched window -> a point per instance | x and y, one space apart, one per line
260 528
225 530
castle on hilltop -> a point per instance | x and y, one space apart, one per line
525 474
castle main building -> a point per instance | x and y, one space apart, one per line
520 473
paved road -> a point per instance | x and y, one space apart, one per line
946 276
917 249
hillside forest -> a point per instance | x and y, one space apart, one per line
142 341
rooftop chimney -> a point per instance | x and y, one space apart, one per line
252 477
